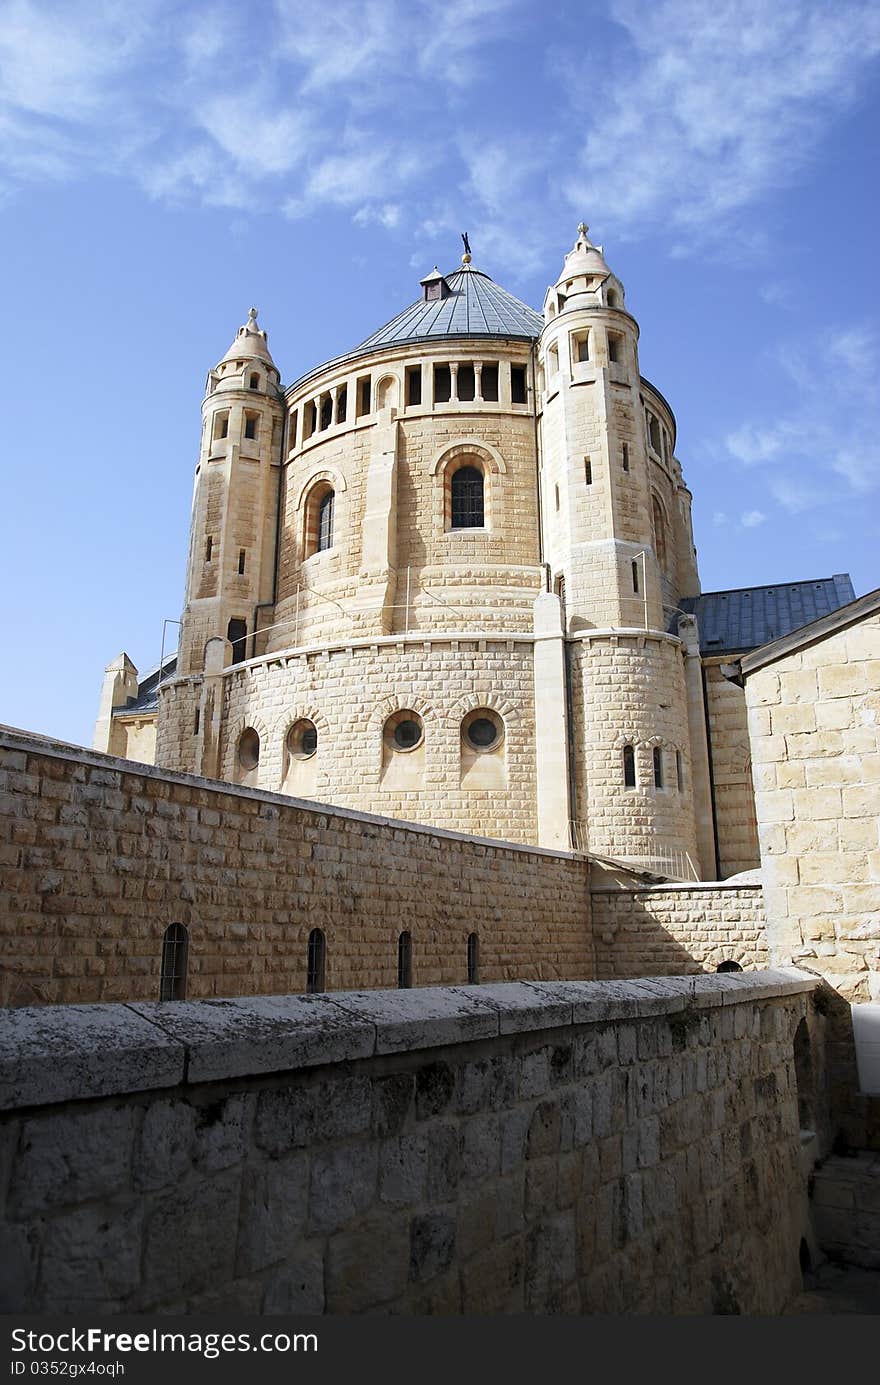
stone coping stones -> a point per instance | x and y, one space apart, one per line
51 1053
60 1053
426 1017
254 1034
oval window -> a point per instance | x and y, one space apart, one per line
249 749
302 739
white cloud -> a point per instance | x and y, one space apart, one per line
820 453
719 519
752 518
715 105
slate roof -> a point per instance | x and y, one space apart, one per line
147 699
476 307
746 617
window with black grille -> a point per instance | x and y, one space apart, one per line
325 522
316 962
467 498
175 948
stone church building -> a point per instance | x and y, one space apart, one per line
449 577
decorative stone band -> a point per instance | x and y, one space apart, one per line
77 1052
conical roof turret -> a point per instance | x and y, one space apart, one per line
251 342
584 258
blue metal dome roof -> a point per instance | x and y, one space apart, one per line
474 307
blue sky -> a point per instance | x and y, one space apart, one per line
164 166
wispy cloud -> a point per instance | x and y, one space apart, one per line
823 447
713 105
752 518
691 113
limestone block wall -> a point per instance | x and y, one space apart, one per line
814 723
569 1148
99 857
732 774
629 689
671 930
350 692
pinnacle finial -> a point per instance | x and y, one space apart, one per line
583 228
252 318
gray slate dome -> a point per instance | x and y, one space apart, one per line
474 307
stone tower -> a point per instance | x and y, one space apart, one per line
615 519
230 573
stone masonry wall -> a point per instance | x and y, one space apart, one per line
814 722
563 1147
732 774
674 930
100 856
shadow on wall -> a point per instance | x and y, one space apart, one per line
673 932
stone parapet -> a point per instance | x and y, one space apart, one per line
547 1147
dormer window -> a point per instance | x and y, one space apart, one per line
435 286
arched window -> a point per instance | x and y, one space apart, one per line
316 962
325 523
175 948
629 767
467 498
249 749
473 959
803 1071
658 767
404 960
659 532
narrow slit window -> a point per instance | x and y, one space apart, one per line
196 721
553 360
363 396
629 767
518 384
489 386
626 457
254 382
241 558
404 960
473 959
175 952
588 471
326 411
615 348
658 767
316 962
209 548
413 385
250 425
635 576
342 405
291 431
679 770
325 522
556 496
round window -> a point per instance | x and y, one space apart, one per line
302 740
249 749
407 734
404 731
483 729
